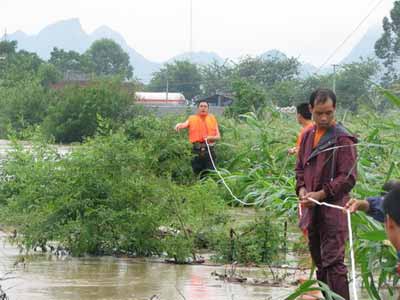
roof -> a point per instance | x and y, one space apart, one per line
217 100
145 96
215 96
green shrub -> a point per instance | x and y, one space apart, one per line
101 199
23 105
257 242
75 110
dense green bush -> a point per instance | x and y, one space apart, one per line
23 105
75 110
248 97
256 242
168 153
103 198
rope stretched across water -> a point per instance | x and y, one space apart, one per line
353 268
223 181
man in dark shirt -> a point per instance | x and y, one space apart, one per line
326 172
391 208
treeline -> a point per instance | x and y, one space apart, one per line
275 80
68 113
29 99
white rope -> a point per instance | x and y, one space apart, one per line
223 181
353 145
353 268
353 263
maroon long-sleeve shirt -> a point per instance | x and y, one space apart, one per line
330 166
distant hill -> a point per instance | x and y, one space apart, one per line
305 69
69 35
143 68
273 54
200 57
366 46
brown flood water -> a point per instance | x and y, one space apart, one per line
49 277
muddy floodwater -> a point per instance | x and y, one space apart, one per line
50 277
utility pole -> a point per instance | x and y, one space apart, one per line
166 88
334 77
4 39
5 34
191 29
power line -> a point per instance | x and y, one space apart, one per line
348 36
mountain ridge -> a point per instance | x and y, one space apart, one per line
69 35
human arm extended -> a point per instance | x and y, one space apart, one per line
213 138
183 125
371 206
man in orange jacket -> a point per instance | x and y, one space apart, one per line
202 127
304 118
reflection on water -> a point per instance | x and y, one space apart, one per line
6 146
48 277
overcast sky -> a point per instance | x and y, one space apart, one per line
159 29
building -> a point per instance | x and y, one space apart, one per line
217 100
160 99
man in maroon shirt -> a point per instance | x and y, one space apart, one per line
326 172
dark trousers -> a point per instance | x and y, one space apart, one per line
327 248
201 162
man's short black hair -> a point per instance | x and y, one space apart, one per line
391 205
312 97
303 110
321 96
202 101
390 185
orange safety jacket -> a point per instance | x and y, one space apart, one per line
300 135
201 127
